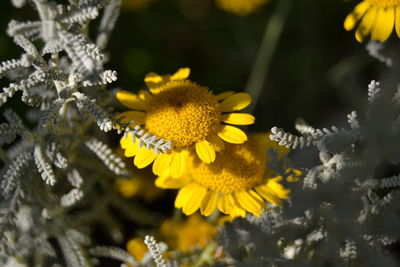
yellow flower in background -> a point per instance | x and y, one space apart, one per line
140 185
241 7
185 113
238 181
135 4
137 248
376 18
194 232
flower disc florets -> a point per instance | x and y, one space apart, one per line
184 113
237 168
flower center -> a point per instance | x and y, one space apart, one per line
184 113
384 3
236 168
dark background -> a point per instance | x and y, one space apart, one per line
318 72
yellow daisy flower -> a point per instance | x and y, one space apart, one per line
241 7
194 232
375 17
137 248
185 113
238 181
140 185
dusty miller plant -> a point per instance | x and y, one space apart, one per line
345 211
57 174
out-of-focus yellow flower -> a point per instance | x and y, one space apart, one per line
140 185
238 181
187 114
376 18
137 248
241 7
193 232
135 5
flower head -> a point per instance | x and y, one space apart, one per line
241 7
185 113
238 181
376 18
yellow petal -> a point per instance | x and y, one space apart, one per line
250 201
398 21
351 19
167 182
274 185
237 212
226 203
144 95
216 142
364 28
194 200
131 151
178 163
144 157
137 248
184 195
238 118
153 78
224 95
293 175
126 140
205 151
136 116
181 74
232 135
235 102
384 24
209 203
268 194
131 101
161 163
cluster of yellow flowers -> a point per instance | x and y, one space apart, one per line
212 162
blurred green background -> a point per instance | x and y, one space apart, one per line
318 71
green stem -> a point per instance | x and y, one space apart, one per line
262 62
206 255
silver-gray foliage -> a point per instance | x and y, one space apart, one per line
345 210
57 173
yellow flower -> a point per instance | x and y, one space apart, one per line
185 113
194 232
238 181
241 7
140 185
137 248
376 17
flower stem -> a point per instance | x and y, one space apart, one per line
262 62
206 255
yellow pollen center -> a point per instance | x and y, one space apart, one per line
384 3
236 168
184 113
